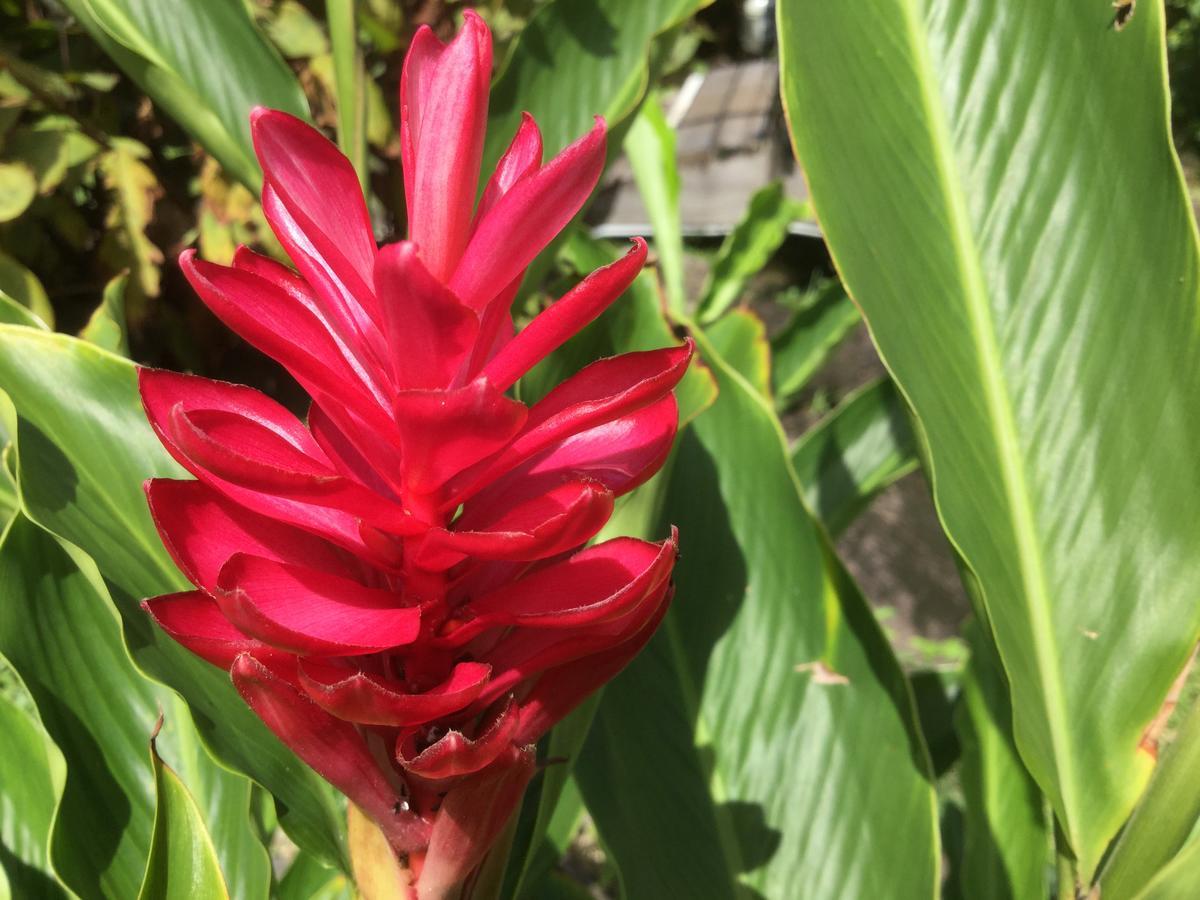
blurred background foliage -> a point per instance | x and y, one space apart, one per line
97 181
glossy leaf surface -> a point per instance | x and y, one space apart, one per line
802 761
31 784
970 165
183 863
86 449
60 631
205 63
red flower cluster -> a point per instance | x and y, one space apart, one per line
396 584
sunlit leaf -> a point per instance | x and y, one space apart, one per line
205 63
18 187
785 743
32 773
746 250
970 164
106 328
183 863
133 190
85 450
21 285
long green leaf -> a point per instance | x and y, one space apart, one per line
32 773
576 60
62 636
650 149
978 170
802 763
1007 851
205 63
802 347
183 863
227 806
746 250
846 459
85 450
59 629
1179 879
350 83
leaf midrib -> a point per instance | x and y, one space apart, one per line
1029 560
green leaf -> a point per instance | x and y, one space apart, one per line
295 31
1008 842
850 456
785 745
227 806
18 187
576 60
650 149
969 197
182 864
13 313
825 319
1179 879
205 63
544 798
134 189
106 327
1167 815
746 250
86 449
307 878
31 784
61 633
21 285
50 148
740 337
350 83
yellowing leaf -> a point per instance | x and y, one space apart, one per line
134 190
18 187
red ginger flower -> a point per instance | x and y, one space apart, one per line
396 585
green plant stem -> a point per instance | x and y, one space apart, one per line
348 80
1064 861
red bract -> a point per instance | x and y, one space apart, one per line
396 584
